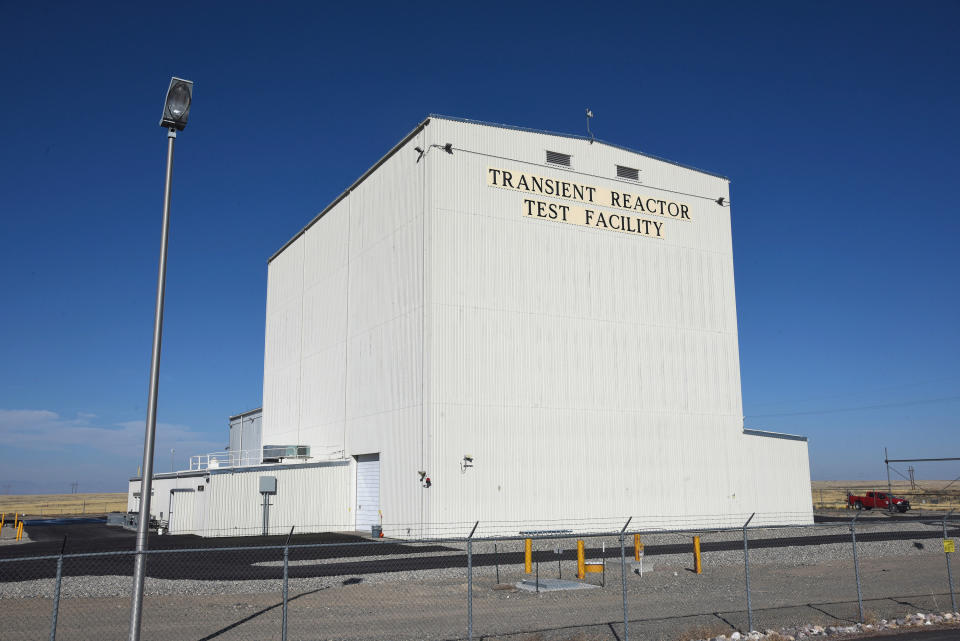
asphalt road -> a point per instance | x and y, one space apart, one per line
355 554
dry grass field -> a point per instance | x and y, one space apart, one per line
62 504
925 495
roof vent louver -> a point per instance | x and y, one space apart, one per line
628 172
556 158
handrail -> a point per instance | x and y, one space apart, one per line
246 458
227 458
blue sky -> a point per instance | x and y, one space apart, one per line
835 121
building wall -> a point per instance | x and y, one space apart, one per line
161 486
779 470
344 331
310 497
590 373
313 497
246 436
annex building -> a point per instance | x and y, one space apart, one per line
494 324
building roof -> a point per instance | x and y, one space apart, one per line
256 410
576 137
481 123
789 437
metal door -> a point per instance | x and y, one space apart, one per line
181 512
368 491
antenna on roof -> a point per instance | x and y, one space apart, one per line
589 116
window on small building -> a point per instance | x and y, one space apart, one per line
628 172
556 158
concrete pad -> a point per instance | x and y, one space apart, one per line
635 566
554 585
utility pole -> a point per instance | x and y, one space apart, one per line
886 460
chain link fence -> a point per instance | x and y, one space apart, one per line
634 582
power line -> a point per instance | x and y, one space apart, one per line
950 483
858 408
884 388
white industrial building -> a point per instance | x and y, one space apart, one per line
508 326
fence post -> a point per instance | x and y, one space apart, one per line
286 565
537 562
623 580
56 592
953 599
496 558
470 582
856 563
746 572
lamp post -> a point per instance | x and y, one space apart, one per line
176 110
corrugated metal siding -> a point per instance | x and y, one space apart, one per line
590 373
344 346
245 433
160 502
311 498
779 470
132 504
283 347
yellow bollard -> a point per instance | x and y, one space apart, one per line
528 555
20 531
581 562
696 555
637 548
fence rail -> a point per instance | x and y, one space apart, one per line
71 508
628 581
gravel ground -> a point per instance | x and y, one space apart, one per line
667 604
793 556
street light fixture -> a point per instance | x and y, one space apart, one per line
176 110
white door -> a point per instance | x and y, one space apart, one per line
181 512
368 491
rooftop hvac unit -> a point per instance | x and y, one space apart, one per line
276 453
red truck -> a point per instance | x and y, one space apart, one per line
879 500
